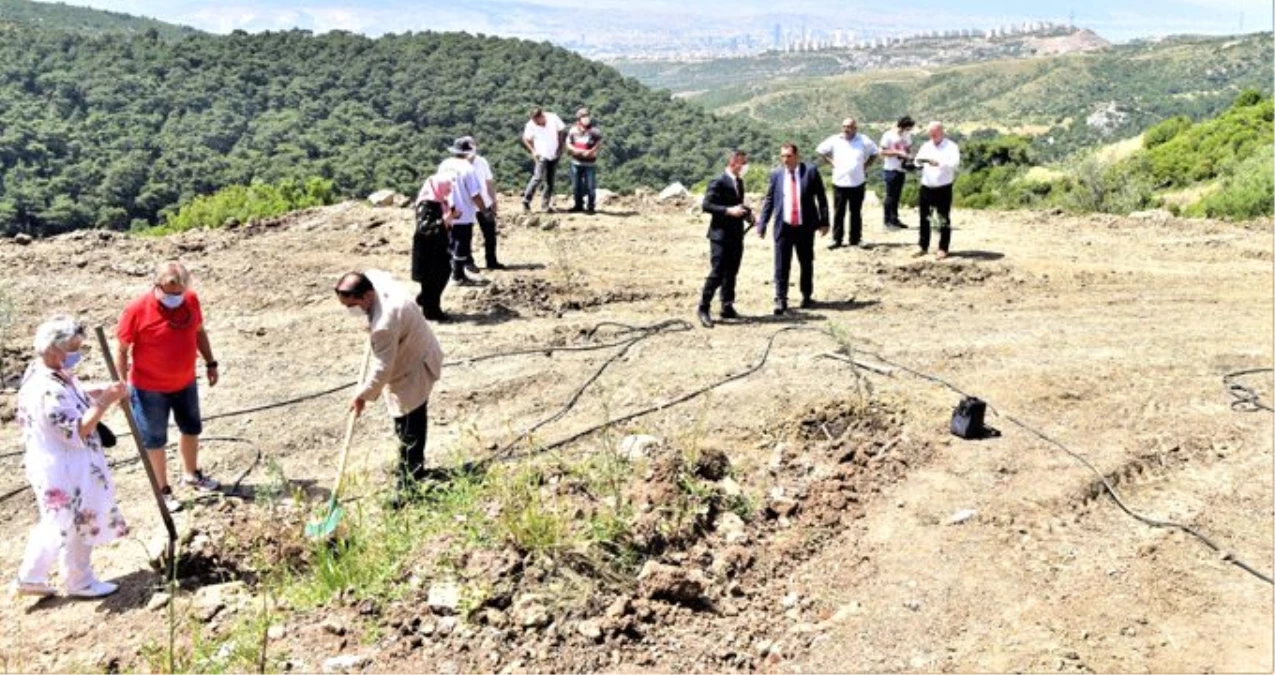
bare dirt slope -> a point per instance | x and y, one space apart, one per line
1109 335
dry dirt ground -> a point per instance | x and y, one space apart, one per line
1110 335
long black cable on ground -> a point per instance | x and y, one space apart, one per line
765 356
136 458
463 361
1228 556
1246 398
643 332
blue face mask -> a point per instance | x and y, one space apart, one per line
172 300
72 360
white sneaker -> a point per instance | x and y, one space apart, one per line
171 501
97 589
37 589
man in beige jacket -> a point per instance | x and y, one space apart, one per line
406 362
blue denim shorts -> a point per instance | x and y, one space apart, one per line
151 409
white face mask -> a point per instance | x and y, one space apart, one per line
172 300
743 171
356 312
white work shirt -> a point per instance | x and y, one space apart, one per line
893 140
848 158
465 187
544 139
483 169
948 156
792 193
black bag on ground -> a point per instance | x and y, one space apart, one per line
967 418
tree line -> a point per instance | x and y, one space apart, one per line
119 130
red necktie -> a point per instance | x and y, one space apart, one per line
794 218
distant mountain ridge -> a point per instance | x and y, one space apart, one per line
73 19
921 51
1068 102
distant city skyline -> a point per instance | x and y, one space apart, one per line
590 25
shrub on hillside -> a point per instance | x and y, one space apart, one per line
1165 131
240 203
1247 193
1096 186
1201 151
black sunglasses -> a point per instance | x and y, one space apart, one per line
347 293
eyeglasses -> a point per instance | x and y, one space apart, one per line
344 293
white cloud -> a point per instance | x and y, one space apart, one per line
221 19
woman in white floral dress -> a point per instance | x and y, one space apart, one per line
66 465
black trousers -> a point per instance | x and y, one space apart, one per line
802 241
431 267
544 173
940 199
487 225
462 247
841 197
893 192
725 256
412 430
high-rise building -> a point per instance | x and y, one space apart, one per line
777 37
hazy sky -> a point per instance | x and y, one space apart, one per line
551 19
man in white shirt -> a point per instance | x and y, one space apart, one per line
896 146
939 159
467 202
486 217
543 137
850 154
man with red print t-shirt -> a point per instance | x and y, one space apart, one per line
161 330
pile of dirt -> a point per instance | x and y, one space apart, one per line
538 296
948 274
236 540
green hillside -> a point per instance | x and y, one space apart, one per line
1220 167
116 131
1070 102
59 16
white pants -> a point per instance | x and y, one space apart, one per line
45 543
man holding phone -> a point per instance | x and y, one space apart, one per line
938 159
724 199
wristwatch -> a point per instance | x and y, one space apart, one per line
211 365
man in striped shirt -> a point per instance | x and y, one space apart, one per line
583 143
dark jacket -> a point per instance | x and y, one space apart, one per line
721 195
814 202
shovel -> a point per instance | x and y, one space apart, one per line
324 527
169 561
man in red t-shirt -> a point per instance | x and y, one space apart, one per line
162 330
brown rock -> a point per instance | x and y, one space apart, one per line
712 464
671 584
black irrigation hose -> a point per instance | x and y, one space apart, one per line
1246 398
464 361
133 459
765 356
1228 556
644 332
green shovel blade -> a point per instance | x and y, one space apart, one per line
324 528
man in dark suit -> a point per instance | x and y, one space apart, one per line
724 198
796 200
